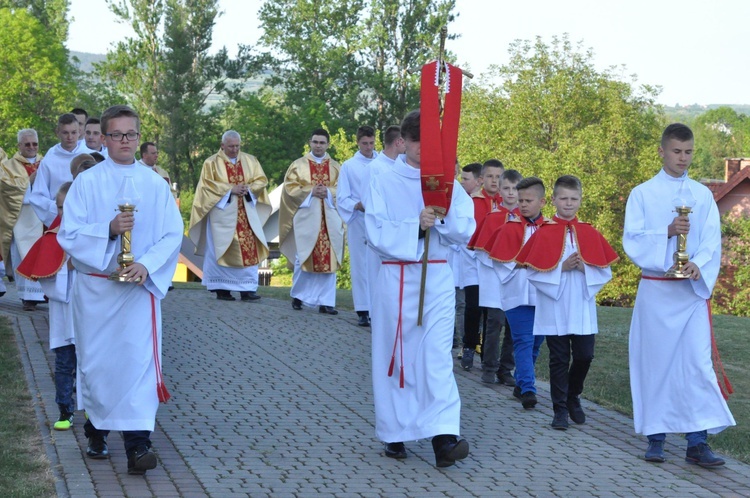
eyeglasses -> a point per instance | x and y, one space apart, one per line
31 144
120 137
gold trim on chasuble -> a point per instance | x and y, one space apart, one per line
246 237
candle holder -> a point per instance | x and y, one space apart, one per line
127 198
683 202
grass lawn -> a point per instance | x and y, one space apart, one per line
24 468
608 382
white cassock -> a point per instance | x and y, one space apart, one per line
53 171
489 281
566 300
58 290
429 403
672 380
25 233
118 325
349 191
379 165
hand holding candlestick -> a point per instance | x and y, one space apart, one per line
127 198
683 202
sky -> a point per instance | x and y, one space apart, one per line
698 51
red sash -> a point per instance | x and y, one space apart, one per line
439 138
545 248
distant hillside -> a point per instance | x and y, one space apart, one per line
85 61
687 112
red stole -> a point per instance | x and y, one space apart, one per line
320 174
545 248
439 138
46 257
509 239
245 234
486 230
31 168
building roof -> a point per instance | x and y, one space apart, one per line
721 190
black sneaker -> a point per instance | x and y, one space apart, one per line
448 449
528 400
576 412
97 448
517 392
140 460
506 379
702 455
560 422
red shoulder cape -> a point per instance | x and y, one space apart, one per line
545 248
487 228
46 257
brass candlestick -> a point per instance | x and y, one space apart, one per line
127 198
680 256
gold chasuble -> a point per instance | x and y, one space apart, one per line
17 220
311 229
237 229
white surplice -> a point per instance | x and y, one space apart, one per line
53 171
117 324
672 380
379 165
429 403
58 290
566 300
349 192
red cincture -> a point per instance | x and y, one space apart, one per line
399 341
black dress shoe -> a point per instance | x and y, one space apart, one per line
364 320
140 460
560 421
330 310
97 447
249 296
395 450
448 449
224 295
296 304
577 414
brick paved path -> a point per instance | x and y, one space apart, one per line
268 401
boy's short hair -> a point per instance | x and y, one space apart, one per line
492 163
92 120
98 157
532 182
79 161
512 175
66 119
321 132
79 112
391 134
678 131
119 111
365 131
410 126
473 168
569 182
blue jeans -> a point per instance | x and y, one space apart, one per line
65 371
693 438
525 346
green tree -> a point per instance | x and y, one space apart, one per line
551 112
732 291
400 38
35 81
719 133
52 14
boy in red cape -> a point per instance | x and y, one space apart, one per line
568 263
517 296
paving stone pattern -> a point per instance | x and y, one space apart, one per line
272 402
